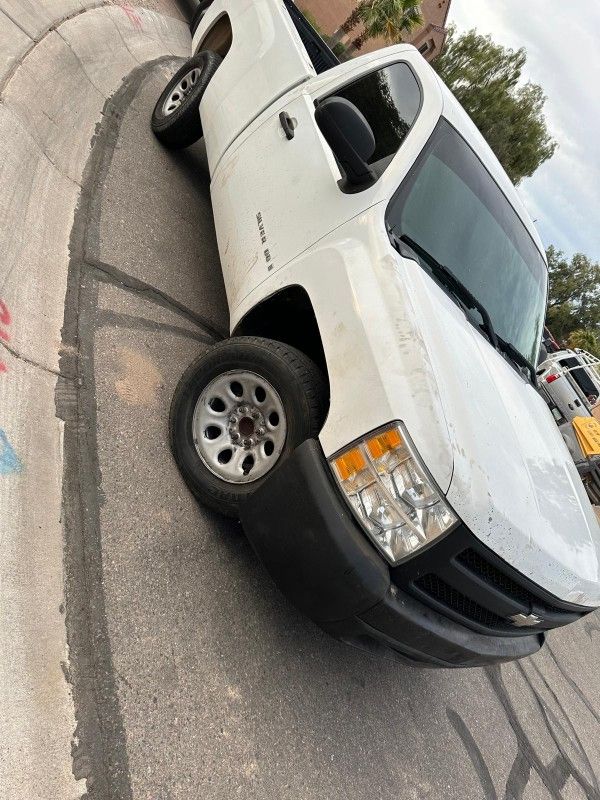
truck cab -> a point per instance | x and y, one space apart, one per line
375 418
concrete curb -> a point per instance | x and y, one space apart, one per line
61 60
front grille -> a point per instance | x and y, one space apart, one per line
464 580
445 594
495 577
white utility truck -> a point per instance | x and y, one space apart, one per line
374 419
569 381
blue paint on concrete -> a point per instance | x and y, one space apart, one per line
9 460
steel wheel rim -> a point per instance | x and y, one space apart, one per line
239 436
180 93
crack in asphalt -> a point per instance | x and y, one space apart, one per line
573 684
570 761
111 274
475 754
36 364
140 323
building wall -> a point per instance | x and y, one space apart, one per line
330 14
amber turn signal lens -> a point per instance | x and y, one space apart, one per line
383 443
351 462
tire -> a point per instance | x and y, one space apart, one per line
178 124
298 386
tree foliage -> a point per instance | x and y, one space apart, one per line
352 20
390 19
585 340
574 299
486 79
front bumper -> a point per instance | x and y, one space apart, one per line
302 530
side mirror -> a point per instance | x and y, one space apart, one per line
350 137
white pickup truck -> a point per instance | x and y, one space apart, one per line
374 419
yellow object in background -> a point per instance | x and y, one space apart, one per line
587 430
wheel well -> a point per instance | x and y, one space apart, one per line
287 317
219 37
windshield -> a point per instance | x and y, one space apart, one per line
451 206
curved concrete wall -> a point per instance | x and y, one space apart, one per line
59 62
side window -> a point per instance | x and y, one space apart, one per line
390 99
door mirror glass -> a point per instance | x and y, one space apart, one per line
350 137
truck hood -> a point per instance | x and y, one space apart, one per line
514 482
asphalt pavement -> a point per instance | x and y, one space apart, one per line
213 686
188 674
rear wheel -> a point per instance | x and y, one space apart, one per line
176 116
238 411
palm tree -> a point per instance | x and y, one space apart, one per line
390 19
350 23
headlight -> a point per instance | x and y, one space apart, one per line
391 493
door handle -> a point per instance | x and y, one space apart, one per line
287 124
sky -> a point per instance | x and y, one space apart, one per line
563 47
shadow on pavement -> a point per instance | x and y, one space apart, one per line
217 686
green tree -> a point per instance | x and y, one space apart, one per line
585 340
486 79
350 22
574 297
390 19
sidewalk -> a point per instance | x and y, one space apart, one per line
59 62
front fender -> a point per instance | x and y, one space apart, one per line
378 364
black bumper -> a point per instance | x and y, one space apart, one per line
302 530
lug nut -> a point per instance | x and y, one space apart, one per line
232 418
260 431
234 435
247 442
243 409
255 415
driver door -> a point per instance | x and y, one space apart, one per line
275 194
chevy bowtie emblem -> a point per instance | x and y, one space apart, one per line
525 620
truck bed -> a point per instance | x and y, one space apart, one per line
320 54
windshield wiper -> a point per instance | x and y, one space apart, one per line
516 355
449 279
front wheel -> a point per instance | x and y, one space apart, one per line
238 411
176 116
